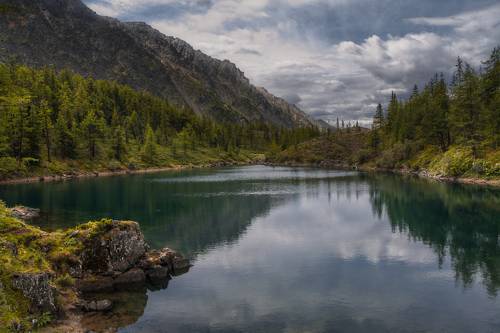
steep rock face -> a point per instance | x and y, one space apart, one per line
67 34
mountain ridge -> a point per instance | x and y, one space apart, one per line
68 34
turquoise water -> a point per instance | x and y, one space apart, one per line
297 249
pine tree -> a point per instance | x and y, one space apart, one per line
149 149
392 124
491 98
378 119
119 143
65 140
91 128
47 127
466 109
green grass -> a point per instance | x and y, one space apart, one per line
351 148
27 249
199 155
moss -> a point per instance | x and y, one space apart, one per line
27 249
65 281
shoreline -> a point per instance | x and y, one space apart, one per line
109 173
81 272
404 172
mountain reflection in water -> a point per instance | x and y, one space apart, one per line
297 249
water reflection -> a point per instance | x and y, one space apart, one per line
293 250
459 221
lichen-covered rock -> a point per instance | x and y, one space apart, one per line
37 288
117 249
173 261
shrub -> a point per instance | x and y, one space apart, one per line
65 281
455 162
30 162
10 166
391 158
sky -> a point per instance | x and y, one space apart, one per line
332 58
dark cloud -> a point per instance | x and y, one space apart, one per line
333 58
249 51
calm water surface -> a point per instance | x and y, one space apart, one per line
297 250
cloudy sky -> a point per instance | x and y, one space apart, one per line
333 58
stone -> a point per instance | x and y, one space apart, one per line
166 258
118 249
97 306
24 213
157 275
95 284
180 264
37 288
133 278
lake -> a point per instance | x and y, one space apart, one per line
297 249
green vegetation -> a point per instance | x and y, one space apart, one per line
341 148
54 123
450 130
28 250
447 130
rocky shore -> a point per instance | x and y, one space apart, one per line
58 279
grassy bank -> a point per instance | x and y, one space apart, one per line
351 149
12 170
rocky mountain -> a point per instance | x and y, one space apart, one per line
67 34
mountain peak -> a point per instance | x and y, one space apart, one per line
67 34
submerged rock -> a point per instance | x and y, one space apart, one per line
24 213
97 306
37 288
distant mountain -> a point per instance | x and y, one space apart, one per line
67 34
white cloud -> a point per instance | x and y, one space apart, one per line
344 79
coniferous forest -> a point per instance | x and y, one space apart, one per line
55 122
449 129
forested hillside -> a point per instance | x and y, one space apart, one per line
445 129
67 34
55 122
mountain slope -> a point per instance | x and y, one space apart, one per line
67 34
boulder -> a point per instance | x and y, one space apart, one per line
157 275
116 250
133 278
174 262
180 264
95 284
37 288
